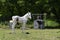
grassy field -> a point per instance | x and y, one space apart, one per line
45 34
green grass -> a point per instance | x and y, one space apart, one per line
45 34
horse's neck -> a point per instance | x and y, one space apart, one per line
25 16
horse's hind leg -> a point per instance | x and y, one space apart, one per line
13 26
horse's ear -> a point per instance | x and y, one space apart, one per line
28 12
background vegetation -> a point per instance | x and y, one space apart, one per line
8 8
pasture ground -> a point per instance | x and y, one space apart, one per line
45 34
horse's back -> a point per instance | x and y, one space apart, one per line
15 16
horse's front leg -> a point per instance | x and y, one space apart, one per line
23 26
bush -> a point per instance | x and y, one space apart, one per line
51 23
4 24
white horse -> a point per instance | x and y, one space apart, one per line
19 19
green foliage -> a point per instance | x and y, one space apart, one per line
51 24
20 7
8 8
4 25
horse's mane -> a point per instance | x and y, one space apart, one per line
26 14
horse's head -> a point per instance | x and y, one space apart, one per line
29 15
